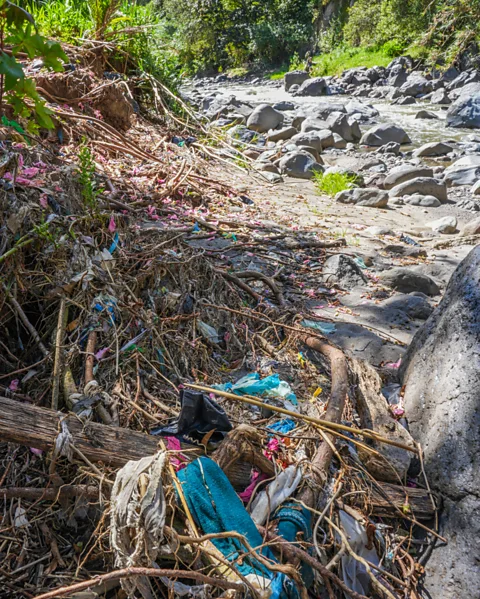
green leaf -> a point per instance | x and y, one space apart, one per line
17 15
12 70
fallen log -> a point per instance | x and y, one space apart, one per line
38 427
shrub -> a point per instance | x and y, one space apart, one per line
332 183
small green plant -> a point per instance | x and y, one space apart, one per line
86 172
332 183
296 63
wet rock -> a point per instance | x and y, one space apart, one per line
440 97
426 186
382 134
300 165
424 201
343 271
273 177
462 80
368 196
338 122
294 78
375 231
397 76
405 101
446 225
441 375
312 87
390 148
284 105
264 118
322 110
404 173
407 280
465 171
465 112
471 228
363 111
416 85
426 114
282 134
435 148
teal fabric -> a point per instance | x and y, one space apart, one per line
216 507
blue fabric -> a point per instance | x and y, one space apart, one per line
293 518
216 507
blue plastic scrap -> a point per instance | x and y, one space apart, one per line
283 426
252 384
327 328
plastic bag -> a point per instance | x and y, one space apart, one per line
275 494
270 386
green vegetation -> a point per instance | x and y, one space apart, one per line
86 174
347 57
332 183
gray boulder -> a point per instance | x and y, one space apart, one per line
416 85
465 112
338 122
424 201
471 228
405 101
368 196
435 148
284 105
338 142
441 375
264 118
361 111
407 281
312 87
446 225
282 134
300 165
242 133
404 173
440 97
342 270
426 186
476 188
316 139
313 124
294 78
426 114
465 171
383 134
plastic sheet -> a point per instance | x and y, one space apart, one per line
270 386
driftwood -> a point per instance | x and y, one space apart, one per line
38 427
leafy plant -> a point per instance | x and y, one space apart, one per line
17 29
332 183
86 172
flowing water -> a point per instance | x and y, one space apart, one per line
420 130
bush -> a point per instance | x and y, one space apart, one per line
332 183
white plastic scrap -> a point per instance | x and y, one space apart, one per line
137 519
63 442
354 573
20 520
277 491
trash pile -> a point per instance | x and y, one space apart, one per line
168 426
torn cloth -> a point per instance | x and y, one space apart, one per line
216 507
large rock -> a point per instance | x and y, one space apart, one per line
295 78
465 171
407 281
383 134
426 114
338 122
313 124
312 87
342 270
426 186
446 225
282 134
362 111
441 375
416 85
424 201
316 139
434 148
363 196
404 173
264 118
440 97
471 228
465 112
300 165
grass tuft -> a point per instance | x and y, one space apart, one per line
332 183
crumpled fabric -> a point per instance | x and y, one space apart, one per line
216 507
275 494
137 521
199 415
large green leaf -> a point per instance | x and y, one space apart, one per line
11 69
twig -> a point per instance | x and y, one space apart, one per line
57 366
90 360
25 321
50 494
331 427
130 572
